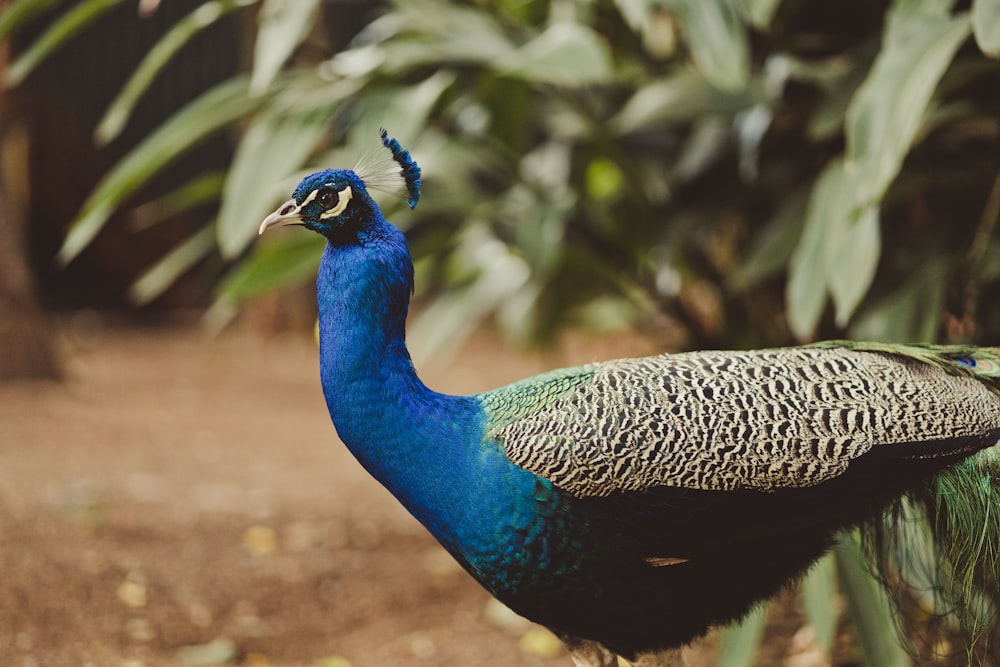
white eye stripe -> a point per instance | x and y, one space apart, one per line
312 195
345 198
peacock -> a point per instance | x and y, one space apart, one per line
631 505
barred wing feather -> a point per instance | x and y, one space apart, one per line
764 420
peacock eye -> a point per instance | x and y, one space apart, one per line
327 198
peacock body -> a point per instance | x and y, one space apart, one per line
631 505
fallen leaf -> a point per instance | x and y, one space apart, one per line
333 661
260 540
133 591
216 652
140 630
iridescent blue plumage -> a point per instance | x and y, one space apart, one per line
630 505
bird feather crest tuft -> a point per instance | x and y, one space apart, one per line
391 177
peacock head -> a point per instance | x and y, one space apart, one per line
336 203
333 202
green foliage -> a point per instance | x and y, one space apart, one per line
869 608
282 26
739 645
986 26
842 235
146 71
817 589
60 32
725 169
207 114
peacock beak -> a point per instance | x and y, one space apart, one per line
286 214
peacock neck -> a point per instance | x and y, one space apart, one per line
363 292
400 431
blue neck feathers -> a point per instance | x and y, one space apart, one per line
408 437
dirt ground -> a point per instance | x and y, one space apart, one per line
183 499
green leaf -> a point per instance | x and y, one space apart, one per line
818 592
717 40
152 64
635 12
838 253
805 292
401 111
272 150
681 97
868 608
910 314
420 33
986 26
827 121
283 25
939 7
709 138
57 35
771 249
498 275
20 12
886 112
289 258
759 12
200 190
155 280
990 263
740 642
854 256
567 54
203 116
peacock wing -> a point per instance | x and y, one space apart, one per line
765 419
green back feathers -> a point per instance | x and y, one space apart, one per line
521 399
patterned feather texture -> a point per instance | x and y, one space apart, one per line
721 421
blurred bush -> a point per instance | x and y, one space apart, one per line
740 172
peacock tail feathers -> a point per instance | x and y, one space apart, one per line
937 551
939 547
966 516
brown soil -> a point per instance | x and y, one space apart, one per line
183 499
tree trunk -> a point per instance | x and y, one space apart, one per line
27 342
27 348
